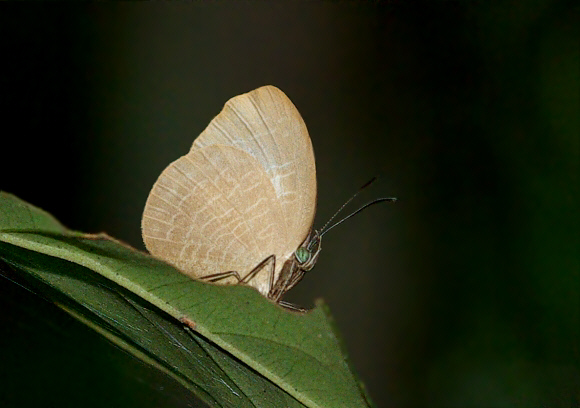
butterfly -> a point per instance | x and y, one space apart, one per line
239 206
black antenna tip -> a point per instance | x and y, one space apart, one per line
325 229
368 183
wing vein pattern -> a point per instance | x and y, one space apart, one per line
245 190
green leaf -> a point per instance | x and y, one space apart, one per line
228 344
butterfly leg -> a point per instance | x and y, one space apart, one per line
222 275
273 294
216 277
271 259
292 306
289 276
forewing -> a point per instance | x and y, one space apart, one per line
266 124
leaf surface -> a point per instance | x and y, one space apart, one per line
228 344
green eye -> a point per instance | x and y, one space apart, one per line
302 255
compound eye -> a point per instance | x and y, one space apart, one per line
302 255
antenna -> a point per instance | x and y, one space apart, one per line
324 229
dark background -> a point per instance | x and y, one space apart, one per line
465 293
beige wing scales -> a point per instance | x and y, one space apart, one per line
214 210
267 125
246 190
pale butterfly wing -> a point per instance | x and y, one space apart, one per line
267 125
214 210
245 191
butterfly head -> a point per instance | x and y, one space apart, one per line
307 254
